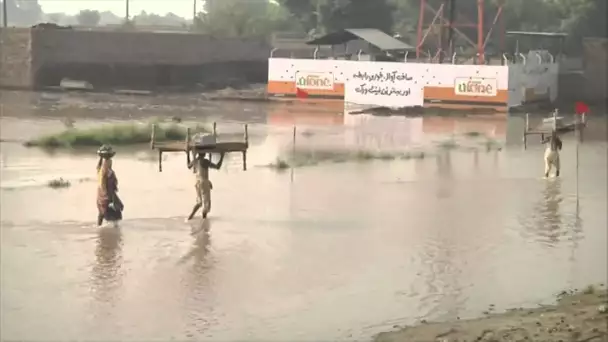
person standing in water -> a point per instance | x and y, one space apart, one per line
200 165
109 206
554 145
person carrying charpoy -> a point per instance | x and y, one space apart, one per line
109 205
201 165
554 145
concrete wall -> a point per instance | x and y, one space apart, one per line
141 48
15 71
536 81
42 57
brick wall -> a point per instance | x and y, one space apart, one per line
141 48
145 60
15 71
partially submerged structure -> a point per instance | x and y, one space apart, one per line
389 81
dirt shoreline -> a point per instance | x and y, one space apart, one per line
576 317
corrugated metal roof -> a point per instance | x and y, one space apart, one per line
538 34
375 37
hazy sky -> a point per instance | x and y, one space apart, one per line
183 8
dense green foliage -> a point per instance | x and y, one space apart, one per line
579 18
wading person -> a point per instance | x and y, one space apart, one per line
554 145
109 206
201 165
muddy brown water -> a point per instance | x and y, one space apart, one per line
331 251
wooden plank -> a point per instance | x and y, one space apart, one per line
563 129
222 147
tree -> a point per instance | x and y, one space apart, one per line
303 12
88 18
335 15
405 17
151 19
234 18
55 18
342 14
23 12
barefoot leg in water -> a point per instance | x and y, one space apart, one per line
196 207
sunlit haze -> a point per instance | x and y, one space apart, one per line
182 8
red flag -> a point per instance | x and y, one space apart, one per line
581 108
301 94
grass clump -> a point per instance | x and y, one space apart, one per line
116 134
413 155
589 290
280 164
59 183
448 145
302 158
473 134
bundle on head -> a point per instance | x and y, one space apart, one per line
104 152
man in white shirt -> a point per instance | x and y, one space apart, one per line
203 185
554 145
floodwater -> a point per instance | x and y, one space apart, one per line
328 251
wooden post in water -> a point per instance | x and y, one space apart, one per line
152 136
578 135
293 153
247 135
187 147
215 130
160 160
247 146
555 119
583 125
526 129
293 147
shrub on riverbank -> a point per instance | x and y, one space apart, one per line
301 158
116 134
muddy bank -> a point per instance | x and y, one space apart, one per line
575 317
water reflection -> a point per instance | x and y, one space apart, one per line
444 170
196 281
201 244
106 274
444 163
476 159
549 219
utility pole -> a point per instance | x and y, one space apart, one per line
127 10
193 11
4 14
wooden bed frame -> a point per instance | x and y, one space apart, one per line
188 146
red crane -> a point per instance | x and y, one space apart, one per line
444 18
